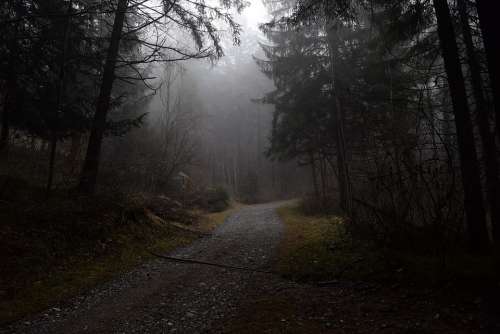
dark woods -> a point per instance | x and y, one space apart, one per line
394 106
65 65
132 125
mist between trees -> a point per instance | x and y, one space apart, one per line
383 110
135 96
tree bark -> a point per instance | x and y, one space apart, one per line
60 95
90 169
487 138
4 136
343 169
11 95
74 151
488 16
473 198
9 103
52 159
314 176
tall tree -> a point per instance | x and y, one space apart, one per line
91 164
338 118
482 112
473 196
487 11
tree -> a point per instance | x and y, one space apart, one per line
196 17
486 11
476 219
483 117
91 164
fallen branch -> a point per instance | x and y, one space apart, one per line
219 265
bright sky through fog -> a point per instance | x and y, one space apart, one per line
255 14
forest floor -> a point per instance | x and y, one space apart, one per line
161 296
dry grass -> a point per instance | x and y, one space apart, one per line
210 221
317 248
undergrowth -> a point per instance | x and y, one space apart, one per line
52 249
320 248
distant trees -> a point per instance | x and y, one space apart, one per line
386 108
302 123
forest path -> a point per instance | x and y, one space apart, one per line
162 296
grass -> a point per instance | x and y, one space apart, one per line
78 273
53 265
317 248
212 220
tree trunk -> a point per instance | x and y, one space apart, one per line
488 13
343 169
10 99
4 136
473 198
59 98
90 169
314 176
487 138
52 159
74 151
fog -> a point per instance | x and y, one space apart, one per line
216 106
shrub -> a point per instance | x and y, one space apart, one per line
217 199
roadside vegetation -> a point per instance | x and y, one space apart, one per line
317 248
321 248
352 285
54 249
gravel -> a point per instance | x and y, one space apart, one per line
166 297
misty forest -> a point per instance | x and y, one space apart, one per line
249 166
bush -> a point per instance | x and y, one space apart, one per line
217 199
312 205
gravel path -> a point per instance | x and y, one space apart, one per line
165 297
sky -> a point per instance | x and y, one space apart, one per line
255 14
